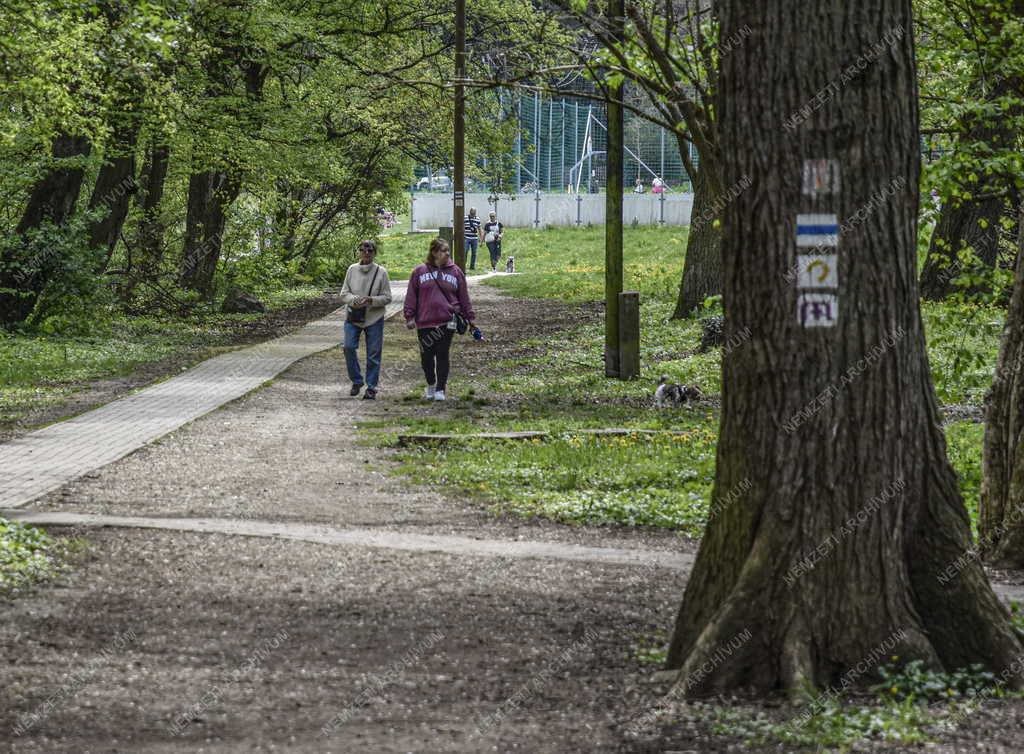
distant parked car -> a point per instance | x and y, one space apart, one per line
437 183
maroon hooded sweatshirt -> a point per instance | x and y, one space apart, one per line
433 295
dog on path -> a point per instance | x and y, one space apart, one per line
510 264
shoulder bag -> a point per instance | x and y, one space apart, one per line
357 314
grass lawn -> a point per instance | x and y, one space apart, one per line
560 386
39 369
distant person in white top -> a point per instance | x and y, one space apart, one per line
639 187
657 185
366 293
493 231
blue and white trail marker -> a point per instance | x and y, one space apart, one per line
817 230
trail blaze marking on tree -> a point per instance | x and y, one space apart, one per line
817 271
818 309
820 177
817 230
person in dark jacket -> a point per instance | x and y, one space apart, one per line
437 292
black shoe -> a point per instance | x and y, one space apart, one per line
355 390
370 394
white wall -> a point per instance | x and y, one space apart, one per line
522 211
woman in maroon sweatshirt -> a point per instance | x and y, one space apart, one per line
437 291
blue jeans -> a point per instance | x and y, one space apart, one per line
471 244
374 346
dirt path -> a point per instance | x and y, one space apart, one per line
314 603
168 641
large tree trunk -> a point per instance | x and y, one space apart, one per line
210 194
54 197
114 188
149 239
24 272
702 268
1001 510
838 535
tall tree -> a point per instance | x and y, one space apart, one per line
839 530
1001 509
25 266
969 57
668 51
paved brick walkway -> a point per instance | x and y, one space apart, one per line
55 455
51 457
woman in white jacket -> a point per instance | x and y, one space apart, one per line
366 293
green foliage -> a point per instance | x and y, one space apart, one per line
635 480
963 343
914 682
835 724
27 556
964 446
912 705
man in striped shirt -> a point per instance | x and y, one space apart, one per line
471 223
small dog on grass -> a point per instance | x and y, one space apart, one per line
671 394
510 264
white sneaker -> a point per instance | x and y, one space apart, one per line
439 395
429 394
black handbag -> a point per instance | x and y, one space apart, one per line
357 314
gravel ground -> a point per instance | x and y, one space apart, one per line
290 452
170 642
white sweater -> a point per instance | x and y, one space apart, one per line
357 284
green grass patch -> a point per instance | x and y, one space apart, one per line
911 705
635 480
559 385
28 556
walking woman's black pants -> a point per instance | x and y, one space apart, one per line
435 346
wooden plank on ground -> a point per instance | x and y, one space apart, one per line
440 439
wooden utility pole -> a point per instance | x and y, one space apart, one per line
459 208
613 209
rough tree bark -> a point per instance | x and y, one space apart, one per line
702 268
210 194
115 185
1001 510
837 535
51 201
149 239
